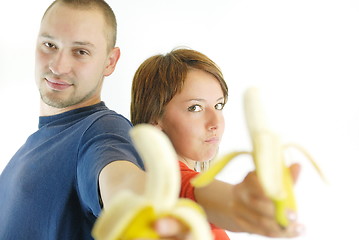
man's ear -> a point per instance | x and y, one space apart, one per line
112 61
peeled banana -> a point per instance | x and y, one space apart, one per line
268 156
130 216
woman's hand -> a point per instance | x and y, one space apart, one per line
255 213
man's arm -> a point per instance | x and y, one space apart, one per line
118 176
124 175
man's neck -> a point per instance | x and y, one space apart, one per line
47 110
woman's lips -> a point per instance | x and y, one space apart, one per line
212 140
57 85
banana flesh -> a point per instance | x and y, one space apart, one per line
268 157
131 216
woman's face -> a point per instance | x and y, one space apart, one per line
193 119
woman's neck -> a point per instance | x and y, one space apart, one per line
189 163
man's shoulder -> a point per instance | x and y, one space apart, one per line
110 117
106 122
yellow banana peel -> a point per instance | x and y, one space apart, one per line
268 157
130 216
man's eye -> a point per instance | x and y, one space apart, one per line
195 108
82 52
219 106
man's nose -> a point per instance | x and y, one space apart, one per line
60 63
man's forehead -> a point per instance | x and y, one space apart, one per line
78 25
64 11
75 23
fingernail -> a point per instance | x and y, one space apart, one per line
167 226
162 226
299 229
189 237
292 216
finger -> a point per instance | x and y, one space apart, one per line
294 230
253 185
251 195
269 228
255 220
295 171
257 214
171 228
253 223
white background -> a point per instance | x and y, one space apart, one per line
304 55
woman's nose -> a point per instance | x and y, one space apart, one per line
213 119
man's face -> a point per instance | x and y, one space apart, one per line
71 56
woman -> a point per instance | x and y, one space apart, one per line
183 93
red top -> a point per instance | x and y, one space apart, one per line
187 191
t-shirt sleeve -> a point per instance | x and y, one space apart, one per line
107 140
187 190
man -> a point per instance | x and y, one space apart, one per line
57 183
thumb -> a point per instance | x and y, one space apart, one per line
295 169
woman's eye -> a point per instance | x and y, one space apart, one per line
195 108
49 45
219 106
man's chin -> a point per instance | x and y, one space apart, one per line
56 103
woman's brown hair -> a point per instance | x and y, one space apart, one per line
161 77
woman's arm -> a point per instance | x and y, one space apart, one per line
244 207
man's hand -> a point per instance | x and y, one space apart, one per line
171 229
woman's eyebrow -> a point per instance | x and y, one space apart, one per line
201 99
46 35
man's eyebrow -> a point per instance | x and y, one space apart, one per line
78 43
83 43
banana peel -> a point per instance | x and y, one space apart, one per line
131 216
269 161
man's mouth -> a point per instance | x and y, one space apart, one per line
56 84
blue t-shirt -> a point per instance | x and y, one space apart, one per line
49 189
